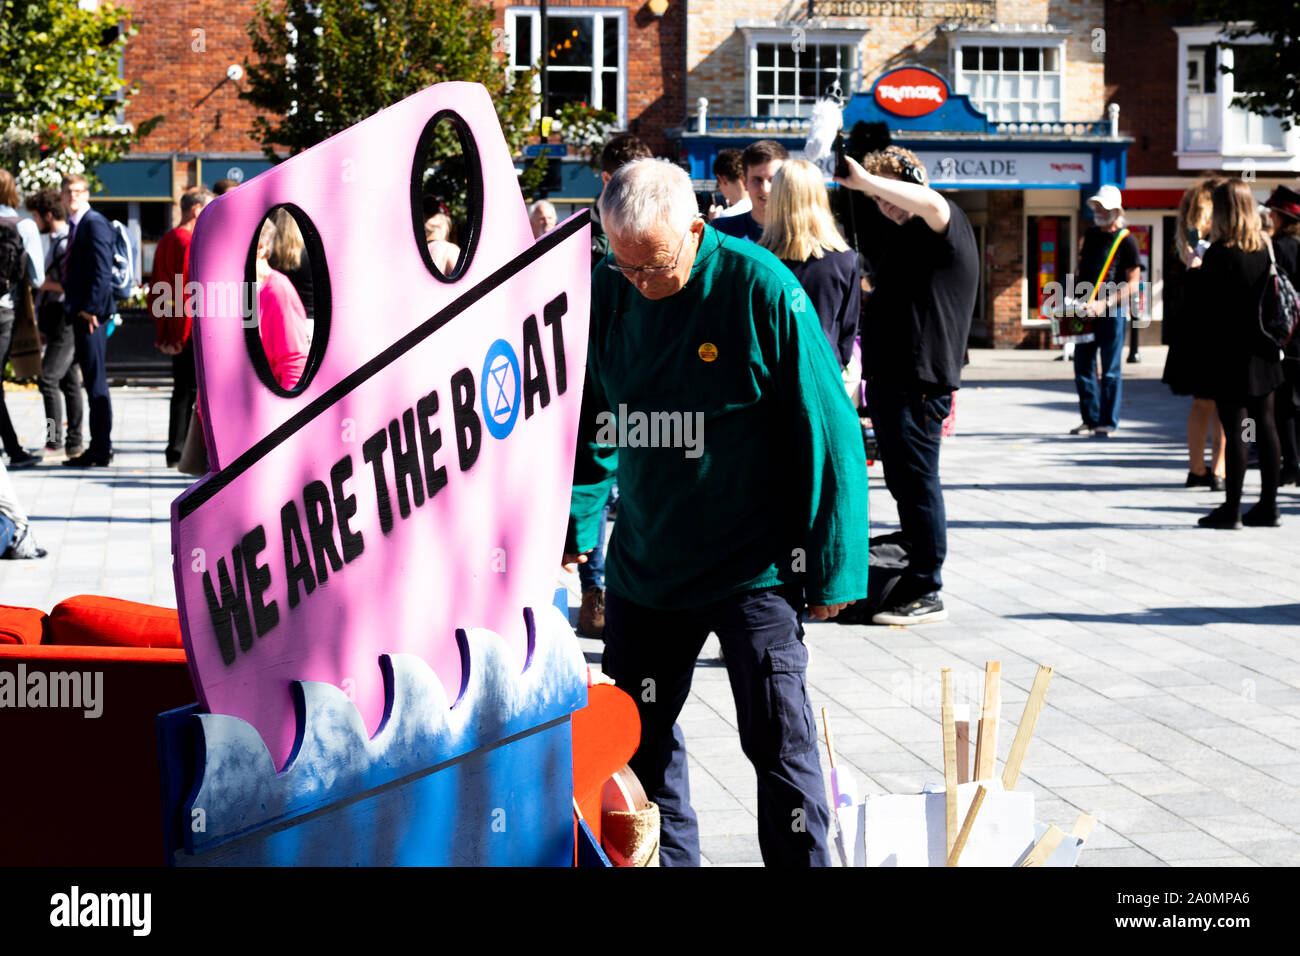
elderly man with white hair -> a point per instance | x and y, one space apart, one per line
754 509
541 216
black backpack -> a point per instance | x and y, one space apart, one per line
13 254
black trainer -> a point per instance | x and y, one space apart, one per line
926 609
24 459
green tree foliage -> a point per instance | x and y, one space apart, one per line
323 67
1265 76
60 84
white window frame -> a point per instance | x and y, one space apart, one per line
1056 41
1225 154
513 14
849 37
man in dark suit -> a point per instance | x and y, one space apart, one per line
88 300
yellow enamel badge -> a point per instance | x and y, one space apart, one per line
708 351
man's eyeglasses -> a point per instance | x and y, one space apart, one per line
652 271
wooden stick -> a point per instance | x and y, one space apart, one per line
830 749
966 825
987 744
1045 847
1083 827
963 743
1028 720
949 761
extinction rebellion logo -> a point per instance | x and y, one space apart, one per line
499 388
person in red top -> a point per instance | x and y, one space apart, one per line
167 304
281 318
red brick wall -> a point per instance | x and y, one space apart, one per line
656 52
1006 260
1142 77
175 70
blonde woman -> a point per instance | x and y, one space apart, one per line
281 319
289 256
801 232
1190 365
445 254
1248 367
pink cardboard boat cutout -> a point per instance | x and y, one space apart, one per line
416 483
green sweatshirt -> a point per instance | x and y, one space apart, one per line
764 481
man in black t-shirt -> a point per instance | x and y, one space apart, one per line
1109 296
925 267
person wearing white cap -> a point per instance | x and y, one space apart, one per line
1107 276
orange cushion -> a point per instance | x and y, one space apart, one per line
88 619
21 625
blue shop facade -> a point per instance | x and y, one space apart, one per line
1024 186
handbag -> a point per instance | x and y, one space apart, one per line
1073 325
25 347
194 456
1279 304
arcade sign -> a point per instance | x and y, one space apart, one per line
910 91
1005 169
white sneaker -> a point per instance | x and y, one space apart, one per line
926 609
1083 428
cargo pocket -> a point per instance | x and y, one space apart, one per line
792 730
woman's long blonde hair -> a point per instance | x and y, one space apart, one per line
799 221
1234 218
288 244
1194 212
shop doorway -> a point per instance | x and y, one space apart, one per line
1148 228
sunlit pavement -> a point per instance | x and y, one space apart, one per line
1174 716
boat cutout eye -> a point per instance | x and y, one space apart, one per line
286 305
446 196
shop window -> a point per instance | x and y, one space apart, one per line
787 78
1019 83
586 55
1050 259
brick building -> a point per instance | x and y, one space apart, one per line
179 60
1016 132
1177 107
186 60
618 55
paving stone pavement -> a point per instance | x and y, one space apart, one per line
1174 714
1175 710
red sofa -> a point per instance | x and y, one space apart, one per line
85 789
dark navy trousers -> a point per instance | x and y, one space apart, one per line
651 655
92 356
